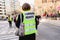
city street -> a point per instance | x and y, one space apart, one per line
46 12
46 31
7 33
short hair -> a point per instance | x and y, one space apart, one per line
26 6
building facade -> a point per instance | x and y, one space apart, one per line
39 6
50 6
2 8
11 6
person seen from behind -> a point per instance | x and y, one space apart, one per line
10 19
28 20
37 17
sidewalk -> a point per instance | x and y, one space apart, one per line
54 22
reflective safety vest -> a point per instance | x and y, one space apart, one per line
29 23
9 19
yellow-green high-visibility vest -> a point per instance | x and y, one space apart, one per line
9 19
29 23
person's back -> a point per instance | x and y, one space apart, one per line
29 23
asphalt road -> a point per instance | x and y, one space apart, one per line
48 31
7 33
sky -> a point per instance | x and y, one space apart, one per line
31 2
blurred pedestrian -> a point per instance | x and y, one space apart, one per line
58 14
10 19
45 14
37 17
28 20
17 19
17 22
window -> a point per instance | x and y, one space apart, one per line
0 7
57 0
44 1
3 2
0 10
52 1
0 4
0 13
4 8
49 0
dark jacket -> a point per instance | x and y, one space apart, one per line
17 22
37 19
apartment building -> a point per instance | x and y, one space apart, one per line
46 5
39 6
2 8
15 5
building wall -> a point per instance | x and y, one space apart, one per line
39 6
2 8
46 5
8 7
11 6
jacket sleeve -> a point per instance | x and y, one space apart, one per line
22 17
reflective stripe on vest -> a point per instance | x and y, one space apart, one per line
29 23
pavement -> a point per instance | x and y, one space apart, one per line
54 22
47 30
7 33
